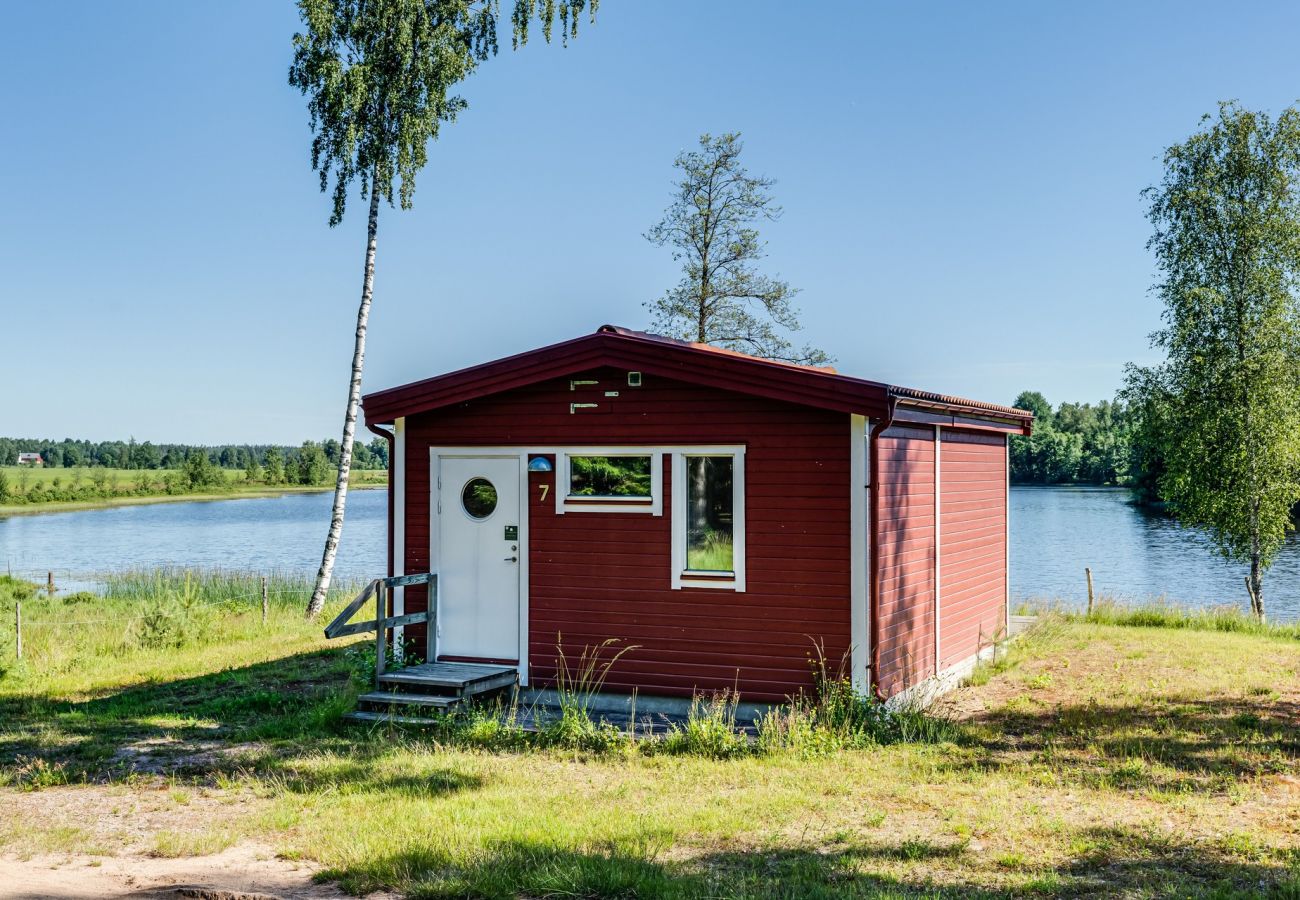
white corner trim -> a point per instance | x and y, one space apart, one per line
681 576
938 538
859 539
399 524
1006 539
563 478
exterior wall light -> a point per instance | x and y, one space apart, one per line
540 464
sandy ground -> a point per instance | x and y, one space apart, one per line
111 850
242 872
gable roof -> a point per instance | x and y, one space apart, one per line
693 363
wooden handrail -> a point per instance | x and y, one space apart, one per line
333 628
382 622
337 628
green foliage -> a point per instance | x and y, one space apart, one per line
378 76
1227 242
274 466
1079 443
200 472
4 487
313 467
576 684
710 729
722 299
610 476
12 588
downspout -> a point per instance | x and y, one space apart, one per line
873 664
388 436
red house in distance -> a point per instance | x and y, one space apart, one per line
717 512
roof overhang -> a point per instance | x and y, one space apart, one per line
690 363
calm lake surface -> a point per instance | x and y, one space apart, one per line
1134 554
1055 533
285 533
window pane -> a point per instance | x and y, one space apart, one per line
479 497
708 514
609 476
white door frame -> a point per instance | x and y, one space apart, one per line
435 524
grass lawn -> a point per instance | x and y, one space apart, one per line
1095 759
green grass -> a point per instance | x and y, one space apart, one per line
1096 759
1161 615
711 553
39 488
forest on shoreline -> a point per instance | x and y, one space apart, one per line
88 473
71 453
1084 443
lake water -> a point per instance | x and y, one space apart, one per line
285 533
1055 533
1135 554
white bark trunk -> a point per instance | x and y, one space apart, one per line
326 571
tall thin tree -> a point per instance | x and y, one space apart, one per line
1227 243
722 298
378 76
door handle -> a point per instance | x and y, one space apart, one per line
512 559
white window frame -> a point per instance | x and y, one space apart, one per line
566 503
683 577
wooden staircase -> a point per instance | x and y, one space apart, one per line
401 695
406 696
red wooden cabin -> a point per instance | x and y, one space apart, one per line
720 513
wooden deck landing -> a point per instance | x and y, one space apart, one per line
403 694
467 678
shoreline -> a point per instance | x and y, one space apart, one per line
36 509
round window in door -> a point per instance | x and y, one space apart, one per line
479 498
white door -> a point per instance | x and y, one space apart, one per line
478 556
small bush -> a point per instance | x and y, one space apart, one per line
710 729
12 588
575 685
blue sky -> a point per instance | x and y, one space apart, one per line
960 181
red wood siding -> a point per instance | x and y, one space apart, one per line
972 542
607 575
905 568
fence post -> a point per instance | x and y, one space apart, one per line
1088 573
49 583
263 600
18 625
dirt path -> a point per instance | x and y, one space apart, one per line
104 841
243 872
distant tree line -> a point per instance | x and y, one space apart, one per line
282 463
1111 442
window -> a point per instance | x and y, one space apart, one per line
709 518
479 498
710 536
609 476
620 479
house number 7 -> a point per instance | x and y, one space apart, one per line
546 489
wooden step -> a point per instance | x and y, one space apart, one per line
393 699
363 716
467 678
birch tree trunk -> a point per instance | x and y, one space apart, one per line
326 572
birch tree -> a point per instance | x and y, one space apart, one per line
1227 244
722 298
379 78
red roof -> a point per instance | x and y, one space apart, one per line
693 363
